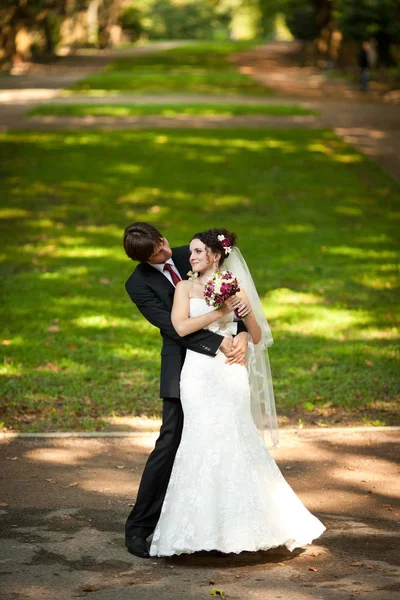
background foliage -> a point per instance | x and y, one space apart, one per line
321 22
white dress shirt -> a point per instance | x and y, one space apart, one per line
168 276
166 273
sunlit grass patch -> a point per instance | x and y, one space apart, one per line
136 82
169 110
197 68
74 348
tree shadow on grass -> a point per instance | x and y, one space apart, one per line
315 221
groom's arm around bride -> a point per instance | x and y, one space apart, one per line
151 287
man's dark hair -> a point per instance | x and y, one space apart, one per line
141 240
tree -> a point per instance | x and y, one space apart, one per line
131 21
362 20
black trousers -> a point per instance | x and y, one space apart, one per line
153 485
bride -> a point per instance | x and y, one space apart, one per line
226 492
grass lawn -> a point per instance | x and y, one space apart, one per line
196 68
168 110
317 223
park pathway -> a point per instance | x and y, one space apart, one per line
66 499
44 83
362 120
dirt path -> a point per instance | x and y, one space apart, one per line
44 83
278 65
64 503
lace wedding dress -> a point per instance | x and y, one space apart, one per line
226 492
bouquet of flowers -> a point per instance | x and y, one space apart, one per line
221 286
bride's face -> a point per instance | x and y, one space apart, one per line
201 257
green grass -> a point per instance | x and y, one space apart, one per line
168 110
198 56
196 68
317 223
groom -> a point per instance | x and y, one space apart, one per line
151 287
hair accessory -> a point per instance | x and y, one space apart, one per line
225 244
192 276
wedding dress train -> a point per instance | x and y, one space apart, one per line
226 492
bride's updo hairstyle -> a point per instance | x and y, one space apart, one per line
211 241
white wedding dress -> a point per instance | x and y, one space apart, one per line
226 492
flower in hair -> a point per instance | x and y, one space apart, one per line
225 243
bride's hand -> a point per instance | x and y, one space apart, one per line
235 303
227 307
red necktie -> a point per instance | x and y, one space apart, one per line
175 278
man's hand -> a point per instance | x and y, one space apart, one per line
237 354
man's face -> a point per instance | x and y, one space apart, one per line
161 254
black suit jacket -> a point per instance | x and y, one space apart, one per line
153 294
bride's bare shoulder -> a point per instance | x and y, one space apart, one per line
183 286
189 288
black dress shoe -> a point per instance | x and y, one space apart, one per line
137 546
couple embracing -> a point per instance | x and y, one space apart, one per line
210 483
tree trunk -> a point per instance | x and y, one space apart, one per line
8 45
93 22
385 56
323 14
8 33
324 27
48 34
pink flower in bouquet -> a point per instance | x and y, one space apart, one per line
220 287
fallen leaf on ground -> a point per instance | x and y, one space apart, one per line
356 564
88 588
314 367
313 568
73 484
49 366
218 593
4 504
50 480
315 553
369 363
120 466
350 468
53 328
